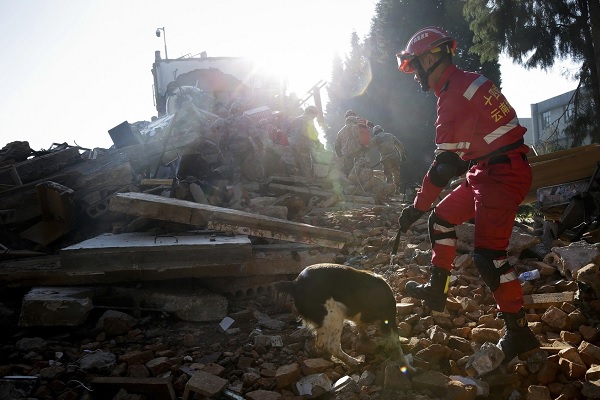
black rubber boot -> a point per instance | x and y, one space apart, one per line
518 338
433 292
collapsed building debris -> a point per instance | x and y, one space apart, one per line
144 270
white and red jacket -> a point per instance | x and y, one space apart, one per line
474 120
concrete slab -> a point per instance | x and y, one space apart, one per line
143 251
218 218
266 260
56 306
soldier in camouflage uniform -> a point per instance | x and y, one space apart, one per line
392 154
238 144
347 144
303 138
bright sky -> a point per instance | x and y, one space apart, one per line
72 69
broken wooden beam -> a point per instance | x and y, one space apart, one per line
58 213
562 167
35 168
204 215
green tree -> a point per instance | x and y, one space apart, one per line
348 83
402 108
536 33
368 80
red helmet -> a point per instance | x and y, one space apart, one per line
426 39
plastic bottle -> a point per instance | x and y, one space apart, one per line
529 275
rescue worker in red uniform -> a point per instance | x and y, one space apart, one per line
478 130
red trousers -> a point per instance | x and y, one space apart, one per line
491 195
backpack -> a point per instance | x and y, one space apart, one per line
364 132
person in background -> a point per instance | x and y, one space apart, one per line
476 129
391 155
347 144
303 138
364 127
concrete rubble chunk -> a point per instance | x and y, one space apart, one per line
158 366
571 354
482 387
31 344
570 259
572 369
548 372
589 353
590 276
483 335
268 341
99 361
485 360
312 366
556 318
313 386
266 321
56 306
593 373
287 375
115 323
366 378
204 384
431 380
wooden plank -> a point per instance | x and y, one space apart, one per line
38 167
545 300
187 212
156 182
555 349
46 232
562 167
58 213
152 388
562 153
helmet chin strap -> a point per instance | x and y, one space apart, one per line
424 75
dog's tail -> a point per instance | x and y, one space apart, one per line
283 288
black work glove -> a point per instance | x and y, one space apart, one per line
408 216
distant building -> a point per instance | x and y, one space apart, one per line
527 123
548 121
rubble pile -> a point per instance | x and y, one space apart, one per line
122 283
259 350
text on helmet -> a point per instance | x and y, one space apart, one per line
419 37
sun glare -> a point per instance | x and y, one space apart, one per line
298 73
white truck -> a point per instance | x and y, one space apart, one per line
213 82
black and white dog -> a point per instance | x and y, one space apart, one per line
326 295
